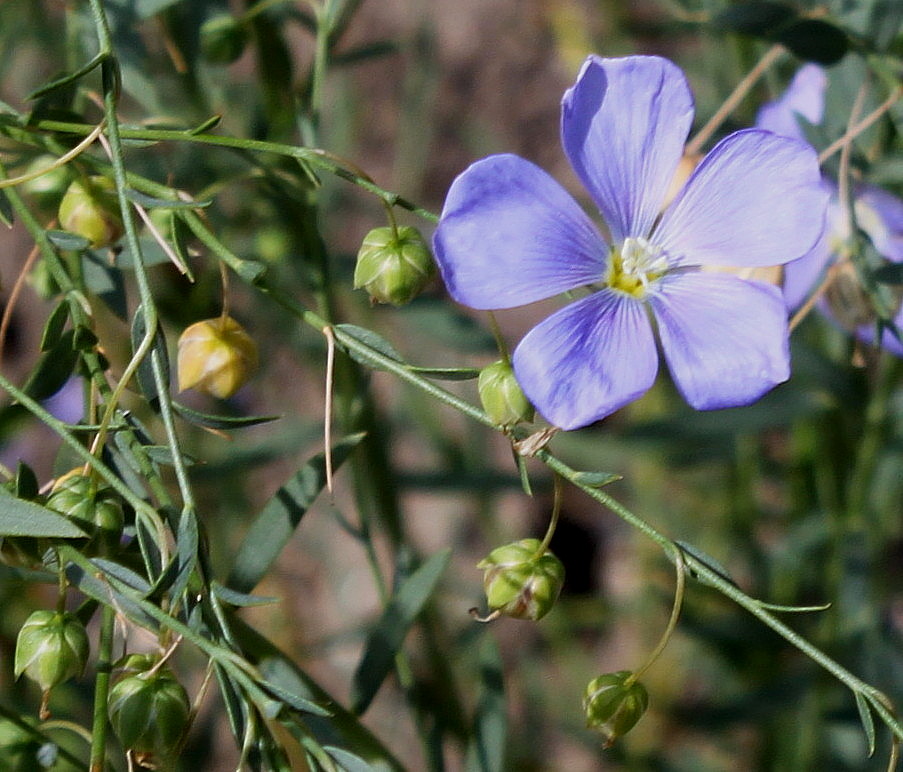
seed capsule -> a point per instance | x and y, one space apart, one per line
613 703
90 209
52 647
216 356
393 265
148 709
501 395
94 506
520 583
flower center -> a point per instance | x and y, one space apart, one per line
633 267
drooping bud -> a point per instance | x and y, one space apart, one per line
613 703
520 582
393 264
93 506
216 356
223 39
51 648
148 709
501 395
90 209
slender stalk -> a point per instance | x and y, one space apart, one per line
771 56
102 688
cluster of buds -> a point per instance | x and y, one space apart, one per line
52 647
613 703
216 357
502 398
148 708
90 209
394 264
521 580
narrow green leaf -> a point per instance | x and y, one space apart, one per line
293 700
793 609
240 599
211 123
486 752
105 281
370 339
868 723
388 634
365 52
595 479
707 560
891 273
447 373
220 421
162 454
523 472
348 762
53 369
814 40
53 328
27 486
125 575
25 518
756 17
68 78
70 242
277 521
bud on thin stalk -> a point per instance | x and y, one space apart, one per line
501 395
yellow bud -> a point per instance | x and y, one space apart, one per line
216 356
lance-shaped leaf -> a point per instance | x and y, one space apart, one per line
277 521
387 635
25 518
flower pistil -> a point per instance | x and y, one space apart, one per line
634 266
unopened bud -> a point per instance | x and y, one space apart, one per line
90 209
50 185
613 703
501 395
520 582
51 648
148 710
393 264
216 356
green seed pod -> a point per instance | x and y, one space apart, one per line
48 187
90 209
223 39
519 583
501 395
613 703
148 710
393 265
51 648
216 356
93 506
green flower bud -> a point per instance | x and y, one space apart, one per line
501 395
90 209
216 357
93 506
52 647
519 583
393 265
223 39
148 710
613 703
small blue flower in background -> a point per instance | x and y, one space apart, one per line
878 213
510 235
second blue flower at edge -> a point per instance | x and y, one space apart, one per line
510 235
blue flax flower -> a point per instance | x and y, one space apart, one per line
510 235
878 213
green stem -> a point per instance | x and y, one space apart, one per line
672 621
102 689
